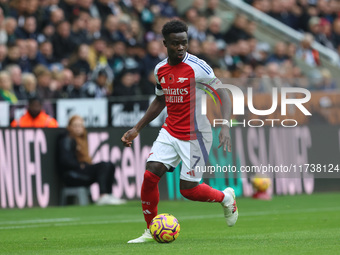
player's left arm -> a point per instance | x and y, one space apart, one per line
224 136
204 74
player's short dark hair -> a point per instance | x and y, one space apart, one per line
174 26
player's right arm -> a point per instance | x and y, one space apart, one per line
155 108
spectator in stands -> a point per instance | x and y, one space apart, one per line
336 33
156 32
80 61
127 85
17 9
327 9
315 80
97 86
33 9
63 46
24 62
152 58
44 79
291 51
199 5
76 166
89 7
97 53
56 16
306 52
3 55
74 90
34 55
46 50
260 53
284 12
137 33
148 84
198 30
117 61
237 30
10 25
140 11
124 30
315 30
3 34
110 30
328 84
68 7
272 78
66 78
13 56
29 83
210 52
6 90
16 77
326 30
211 9
94 29
35 117
262 5
46 33
280 53
195 48
28 31
214 28
190 15
78 31
104 8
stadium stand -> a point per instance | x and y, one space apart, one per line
101 48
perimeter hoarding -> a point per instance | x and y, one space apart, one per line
29 176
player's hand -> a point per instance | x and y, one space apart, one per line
128 137
224 138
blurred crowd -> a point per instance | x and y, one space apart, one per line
320 18
108 48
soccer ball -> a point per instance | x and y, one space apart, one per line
164 228
261 184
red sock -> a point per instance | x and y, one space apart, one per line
150 196
203 193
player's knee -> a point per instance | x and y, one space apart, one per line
150 177
156 168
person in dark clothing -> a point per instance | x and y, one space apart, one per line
103 8
80 61
127 85
63 46
74 90
237 30
13 56
28 31
76 163
78 31
16 77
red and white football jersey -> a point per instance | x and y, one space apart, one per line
183 86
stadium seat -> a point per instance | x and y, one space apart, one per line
80 193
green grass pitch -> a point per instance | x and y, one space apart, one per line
303 224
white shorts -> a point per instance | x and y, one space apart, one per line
171 151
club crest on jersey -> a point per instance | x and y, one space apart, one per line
171 78
181 80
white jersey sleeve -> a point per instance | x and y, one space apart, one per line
204 75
